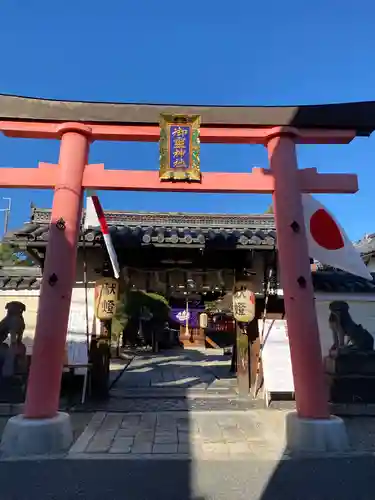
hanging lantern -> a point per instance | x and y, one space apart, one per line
106 297
243 306
203 320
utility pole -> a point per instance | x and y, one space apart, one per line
6 214
187 313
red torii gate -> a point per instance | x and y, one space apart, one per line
73 174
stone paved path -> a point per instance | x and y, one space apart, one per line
182 370
208 435
177 380
219 435
158 408
183 405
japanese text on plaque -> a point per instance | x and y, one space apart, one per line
106 297
179 151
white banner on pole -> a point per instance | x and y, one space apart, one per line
276 360
76 340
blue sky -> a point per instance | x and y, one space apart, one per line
211 52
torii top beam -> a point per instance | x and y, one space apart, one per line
27 118
357 116
259 180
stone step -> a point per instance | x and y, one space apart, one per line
182 395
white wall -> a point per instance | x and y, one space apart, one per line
361 308
371 265
31 300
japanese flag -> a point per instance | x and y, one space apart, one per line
328 242
95 218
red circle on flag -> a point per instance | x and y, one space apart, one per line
325 231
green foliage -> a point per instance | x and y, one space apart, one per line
211 307
269 209
10 256
120 319
134 305
138 302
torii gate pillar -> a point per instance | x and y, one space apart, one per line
303 333
42 429
311 428
59 276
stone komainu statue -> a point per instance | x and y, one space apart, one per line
13 324
347 335
12 358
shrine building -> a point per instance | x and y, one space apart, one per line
182 256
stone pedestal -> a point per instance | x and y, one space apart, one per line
23 437
351 376
308 436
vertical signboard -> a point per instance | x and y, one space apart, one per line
277 364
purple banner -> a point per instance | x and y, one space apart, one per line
179 315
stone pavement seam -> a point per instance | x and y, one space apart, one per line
88 434
171 456
188 456
175 414
214 456
35 458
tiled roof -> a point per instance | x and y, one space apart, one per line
367 245
160 229
20 278
29 278
341 282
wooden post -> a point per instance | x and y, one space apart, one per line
100 357
254 353
244 313
106 295
155 343
243 368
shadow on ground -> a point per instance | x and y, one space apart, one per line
97 479
316 479
171 380
321 479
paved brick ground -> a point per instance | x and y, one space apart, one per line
183 404
209 435
219 435
161 403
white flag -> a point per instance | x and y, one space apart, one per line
328 242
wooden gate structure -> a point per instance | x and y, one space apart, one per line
279 129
